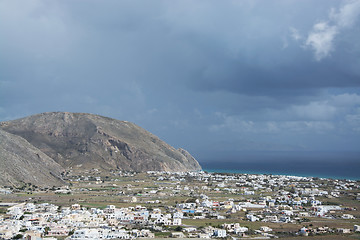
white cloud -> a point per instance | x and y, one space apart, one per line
152 111
307 126
295 34
233 123
322 36
236 124
353 121
321 39
272 127
333 113
285 43
347 15
328 109
346 100
315 111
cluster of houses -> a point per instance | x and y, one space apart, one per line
47 221
267 199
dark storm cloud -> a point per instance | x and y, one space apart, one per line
198 73
298 77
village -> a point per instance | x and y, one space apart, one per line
129 205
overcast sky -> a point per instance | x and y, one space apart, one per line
214 77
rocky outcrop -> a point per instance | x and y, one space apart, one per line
84 141
21 162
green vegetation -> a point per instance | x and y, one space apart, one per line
162 234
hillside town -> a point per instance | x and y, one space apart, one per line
129 205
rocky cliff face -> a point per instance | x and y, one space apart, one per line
20 163
84 141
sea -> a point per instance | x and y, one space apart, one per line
334 165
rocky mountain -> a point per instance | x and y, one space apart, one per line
84 141
21 162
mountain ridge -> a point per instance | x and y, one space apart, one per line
84 141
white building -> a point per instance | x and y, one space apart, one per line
177 221
252 218
265 229
220 233
85 234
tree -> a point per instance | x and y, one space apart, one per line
71 232
178 229
18 236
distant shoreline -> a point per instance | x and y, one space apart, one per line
232 171
332 165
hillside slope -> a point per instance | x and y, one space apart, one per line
20 162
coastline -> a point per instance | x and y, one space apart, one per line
234 171
331 165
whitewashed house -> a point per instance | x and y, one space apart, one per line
85 234
220 233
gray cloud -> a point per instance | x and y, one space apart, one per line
233 74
